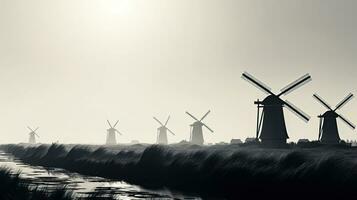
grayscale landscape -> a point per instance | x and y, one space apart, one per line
179 99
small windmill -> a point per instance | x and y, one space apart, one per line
33 135
196 132
328 130
271 123
162 131
111 133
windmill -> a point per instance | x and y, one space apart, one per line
162 131
111 134
328 130
270 122
196 136
33 135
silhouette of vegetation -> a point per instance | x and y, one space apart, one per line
13 188
226 171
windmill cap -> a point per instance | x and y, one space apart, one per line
272 100
330 114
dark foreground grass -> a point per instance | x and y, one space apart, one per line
219 171
13 188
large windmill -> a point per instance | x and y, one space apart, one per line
162 131
196 136
111 133
33 135
328 130
271 128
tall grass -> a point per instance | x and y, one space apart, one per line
13 188
218 171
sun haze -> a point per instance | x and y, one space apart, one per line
67 66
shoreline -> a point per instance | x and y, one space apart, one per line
215 172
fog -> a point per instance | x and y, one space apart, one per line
69 65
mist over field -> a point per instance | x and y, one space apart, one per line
179 99
68 66
217 171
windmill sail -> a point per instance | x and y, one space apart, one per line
111 133
350 124
116 123
323 102
158 121
258 84
298 112
192 116
196 132
328 132
207 127
344 101
167 121
162 131
271 124
109 124
296 84
204 116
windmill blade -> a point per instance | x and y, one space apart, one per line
109 124
36 129
170 131
296 84
319 99
158 121
118 132
298 112
30 129
116 123
350 124
37 135
204 116
207 127
254 81
192 116
344 101
167 121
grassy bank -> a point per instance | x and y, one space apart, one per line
13 188
220 171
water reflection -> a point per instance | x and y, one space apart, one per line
83 186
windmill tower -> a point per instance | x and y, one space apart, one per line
162 132
328 130
196 136
111 134
271 128
33 135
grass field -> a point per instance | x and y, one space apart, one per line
13 188
226 171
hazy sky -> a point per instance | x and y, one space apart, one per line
68 65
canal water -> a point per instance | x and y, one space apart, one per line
82 186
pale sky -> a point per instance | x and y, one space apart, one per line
68 65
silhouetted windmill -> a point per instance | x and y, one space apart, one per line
271 123
162 131
328 130
33 134
196 129
111 134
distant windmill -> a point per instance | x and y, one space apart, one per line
111 134
33 134
328 130
271 123
162 131
196 129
